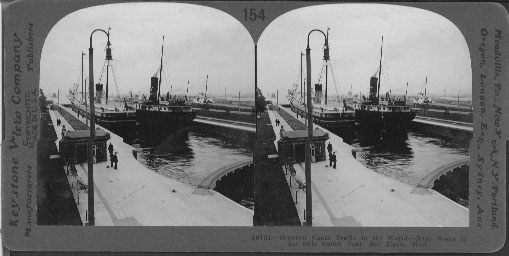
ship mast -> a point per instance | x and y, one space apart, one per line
380 71
160 73
206 87
425 84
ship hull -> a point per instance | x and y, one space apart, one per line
153 122
329 120
387 121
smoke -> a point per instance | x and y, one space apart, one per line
376 72
157 71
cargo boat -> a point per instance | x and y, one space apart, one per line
154 116
389 114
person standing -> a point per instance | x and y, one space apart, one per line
334 160
330 158
329 148
110 150
114 160
63 131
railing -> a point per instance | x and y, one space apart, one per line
241 125
428 180
444 121
210 181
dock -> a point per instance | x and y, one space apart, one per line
353 195
237 125
134 195
455 125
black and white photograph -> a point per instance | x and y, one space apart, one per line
173 106
390 103
253 126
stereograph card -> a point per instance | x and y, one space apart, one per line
253 126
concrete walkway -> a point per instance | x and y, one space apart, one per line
247 127
451 125
135 195
353 195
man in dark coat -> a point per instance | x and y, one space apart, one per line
334 159
114 159
329 148
110 150
330 158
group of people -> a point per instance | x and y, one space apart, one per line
113 156
58 121
277 122
332 156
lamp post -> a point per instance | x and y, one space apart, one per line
86 106
91 217
82 93
326 59
309 205
301 95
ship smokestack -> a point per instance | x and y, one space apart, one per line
153 89
373 83
318 93
99 93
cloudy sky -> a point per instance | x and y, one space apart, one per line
198 41
417 44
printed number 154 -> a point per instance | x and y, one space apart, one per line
254 14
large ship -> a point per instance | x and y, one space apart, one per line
155 116
328 116
109 114
390 113
333 115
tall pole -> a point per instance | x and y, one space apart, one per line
58 99
459 100
277 98
160 74
305 100
91 210
82 93
326 59
107 79
307 170
301 95
309 197
239 101
86 106
380 72
326 82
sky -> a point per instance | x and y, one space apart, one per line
199 41
416 44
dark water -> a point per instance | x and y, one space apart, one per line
408 157
191 154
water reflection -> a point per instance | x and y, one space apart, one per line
408 157
191 154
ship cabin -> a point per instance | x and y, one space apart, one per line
383 106
104 116
324 113
166 108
